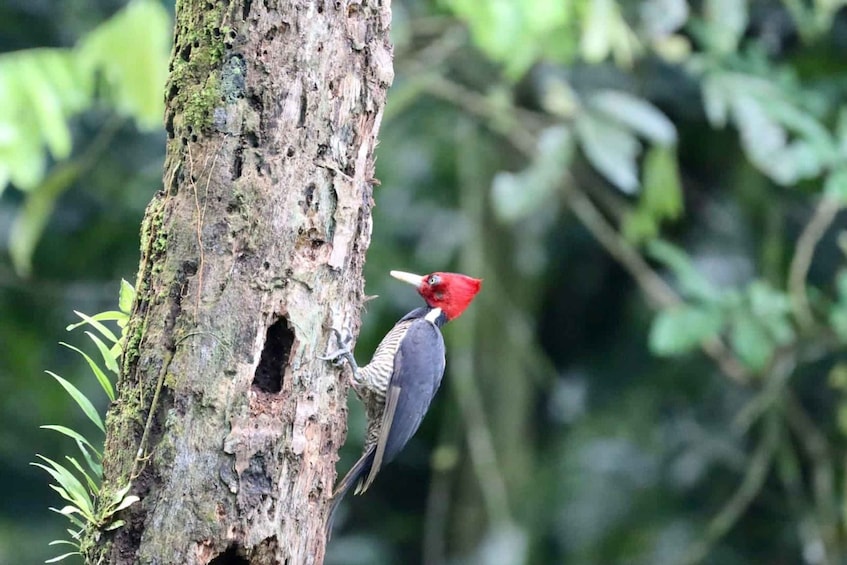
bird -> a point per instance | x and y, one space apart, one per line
405 372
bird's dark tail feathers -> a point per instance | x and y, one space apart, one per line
353 476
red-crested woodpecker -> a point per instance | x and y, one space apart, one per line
399 383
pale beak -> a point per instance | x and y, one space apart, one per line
410 278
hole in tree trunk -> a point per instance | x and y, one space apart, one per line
229 557
280 338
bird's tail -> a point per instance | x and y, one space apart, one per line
353 477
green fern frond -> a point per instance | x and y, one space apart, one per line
76 484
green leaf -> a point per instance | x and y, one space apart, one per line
107 333
68 512
766 301
611 149
127 297
40 89
558 98
693 284
683 328
767 121
92 460
516 197
108 358
29 224
636 114
751 342
63 541
48 110
596 42
130 53
92 484
77 493
796 161
111 315
771 308
114 525
838 377
518 34
814 134
104 381
761 136
62 557
83 402
74 435
126 503
727 21
661 18
838 313
840 132
838 321
119 494
639 226
606 32
662 192
835 185
716 100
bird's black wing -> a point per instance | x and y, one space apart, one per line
418 369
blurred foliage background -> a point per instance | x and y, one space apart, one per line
654 372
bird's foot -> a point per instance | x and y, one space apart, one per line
343 353
342 347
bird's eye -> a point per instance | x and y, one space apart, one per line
434 280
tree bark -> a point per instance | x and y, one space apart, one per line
227 423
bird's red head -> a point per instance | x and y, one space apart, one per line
451 292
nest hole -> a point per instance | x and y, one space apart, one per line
232 556
275 354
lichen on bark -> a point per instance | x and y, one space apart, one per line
250 253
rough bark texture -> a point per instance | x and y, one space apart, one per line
252 251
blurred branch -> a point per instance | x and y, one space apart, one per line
825 213
478 436
483 456
816 446
431 25
791 476
435 54
752 483
425 74
437 511
658 292
770 394
418 66
505 119
31 220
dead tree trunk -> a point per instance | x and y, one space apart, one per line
227 423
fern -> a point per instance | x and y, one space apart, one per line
77 481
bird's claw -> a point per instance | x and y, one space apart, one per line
343 339
342 351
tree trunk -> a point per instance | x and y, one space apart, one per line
227 423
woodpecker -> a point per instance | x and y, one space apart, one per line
399 383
